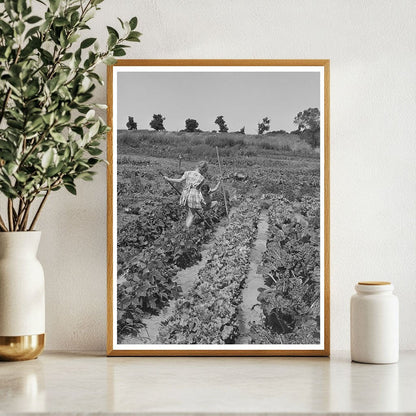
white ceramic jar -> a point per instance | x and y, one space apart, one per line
374 323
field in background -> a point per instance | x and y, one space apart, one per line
203 144
273 180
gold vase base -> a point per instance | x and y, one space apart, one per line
21 348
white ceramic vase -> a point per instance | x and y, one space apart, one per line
22 296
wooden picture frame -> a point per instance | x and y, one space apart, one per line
304 181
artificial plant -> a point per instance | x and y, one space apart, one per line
50 134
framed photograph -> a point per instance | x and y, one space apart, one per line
218 208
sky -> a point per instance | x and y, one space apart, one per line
243 98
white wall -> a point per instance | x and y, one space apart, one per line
371 45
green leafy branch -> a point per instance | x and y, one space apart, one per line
50 134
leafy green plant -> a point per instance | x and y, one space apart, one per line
50 134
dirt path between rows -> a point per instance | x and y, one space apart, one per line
248 312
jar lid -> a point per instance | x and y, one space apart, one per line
372 287
374 283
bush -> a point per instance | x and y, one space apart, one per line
131 124
264 125
191 125
311 137
221 124
157 122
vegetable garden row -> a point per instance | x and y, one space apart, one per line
150 260
208 313
291 271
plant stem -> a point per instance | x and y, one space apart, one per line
10 213
2 224
17 217
20 213
26 216
3 108
39 209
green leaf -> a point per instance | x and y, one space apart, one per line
111 30
119 52
16 124
61 21
134 37
48 118
52 171
53 83
112 41
86 176
54 4
35 125
21 6
11 168
31 31
78 154
90 115
70 188
47 158
21 177
31 90
26 11
94 129
94 151
58 137
73 38
87 42
67 153
82 98
10 7
33 19
92 161
20 27
89 15
121 22
110 60
6 29
133 23
74 18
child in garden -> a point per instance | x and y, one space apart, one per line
206 201
191 193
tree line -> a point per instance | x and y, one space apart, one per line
308 122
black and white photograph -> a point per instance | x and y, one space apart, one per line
218 209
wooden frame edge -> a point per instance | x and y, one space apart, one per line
327 222
110 210
325 352
216 353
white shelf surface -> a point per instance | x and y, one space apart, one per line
86 383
